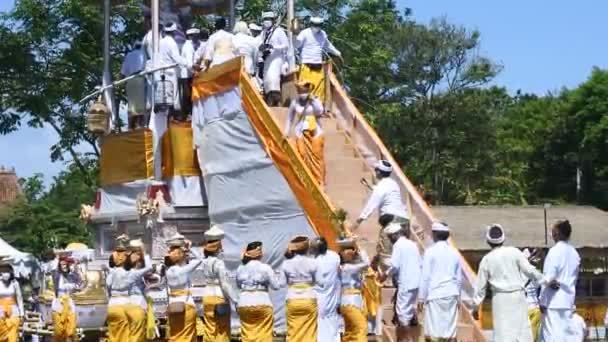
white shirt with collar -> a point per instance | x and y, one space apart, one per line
188 50
441 272
562 264
312 46
406 264
386 197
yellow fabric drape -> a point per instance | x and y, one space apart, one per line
301 320
371 291
9 329
535 316
182 326
316 79
179 158
216 329
150 321
126 157
200 327
256 323
311 149
355 324
64 322
137 319
118 323
217 79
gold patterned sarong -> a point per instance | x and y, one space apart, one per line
355 324
137 319
316 79
64 322
256 323
150 321
302 320
311 149
118 323
535 316
182 326
9 324
216 329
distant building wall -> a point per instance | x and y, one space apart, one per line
9 185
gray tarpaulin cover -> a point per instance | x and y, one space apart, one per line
248 197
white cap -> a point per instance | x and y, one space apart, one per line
393 228
495 241
440 227
255 27
316 20
193 30
383 166
170 27
268 14
214 233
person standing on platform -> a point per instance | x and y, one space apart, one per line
246 46
313 45
505 270
354 265
532 290
220 47
140 313
273 50
440 287
254 279
328 291
298 272
189 48
169 54
136 88
386 198
11 304
181 311
217 293
561 268
405 268
306 111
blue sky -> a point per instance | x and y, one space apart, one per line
543 45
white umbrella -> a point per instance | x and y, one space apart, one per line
23 263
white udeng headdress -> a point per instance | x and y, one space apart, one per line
498 240
440 227
383 166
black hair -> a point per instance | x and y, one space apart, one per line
441 236
8 268
321 245
385 219
220 23
142 261
167 261
127 265
251 246
564 228
290 254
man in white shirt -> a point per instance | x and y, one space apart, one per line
185 81
578 328
561 267
505 270
440 286
220 47
246 46
405 268
272 54
328 292
169 54
135 62
386 198
313 45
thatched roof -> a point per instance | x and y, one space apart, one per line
524 225
9 185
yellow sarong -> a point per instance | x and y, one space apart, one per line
182 326
9 325
216 329
316 79
137 319
301 320
371 292
534 315
118 323
150 321
355 324
311 149
64 322
256 323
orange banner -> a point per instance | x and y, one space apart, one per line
217 79
126 157
179 157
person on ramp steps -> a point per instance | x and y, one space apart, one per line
271 58
254 278
386 198
314 45
306 111
217 293
298 273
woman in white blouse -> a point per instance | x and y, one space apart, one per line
305 111
67 279
354 264
140 313
11 304
181 311
298 273
254 278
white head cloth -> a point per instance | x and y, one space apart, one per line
214 233
316 20
254 27
440 227
393 228
383 166
171 27
193 30
268 15
495 241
